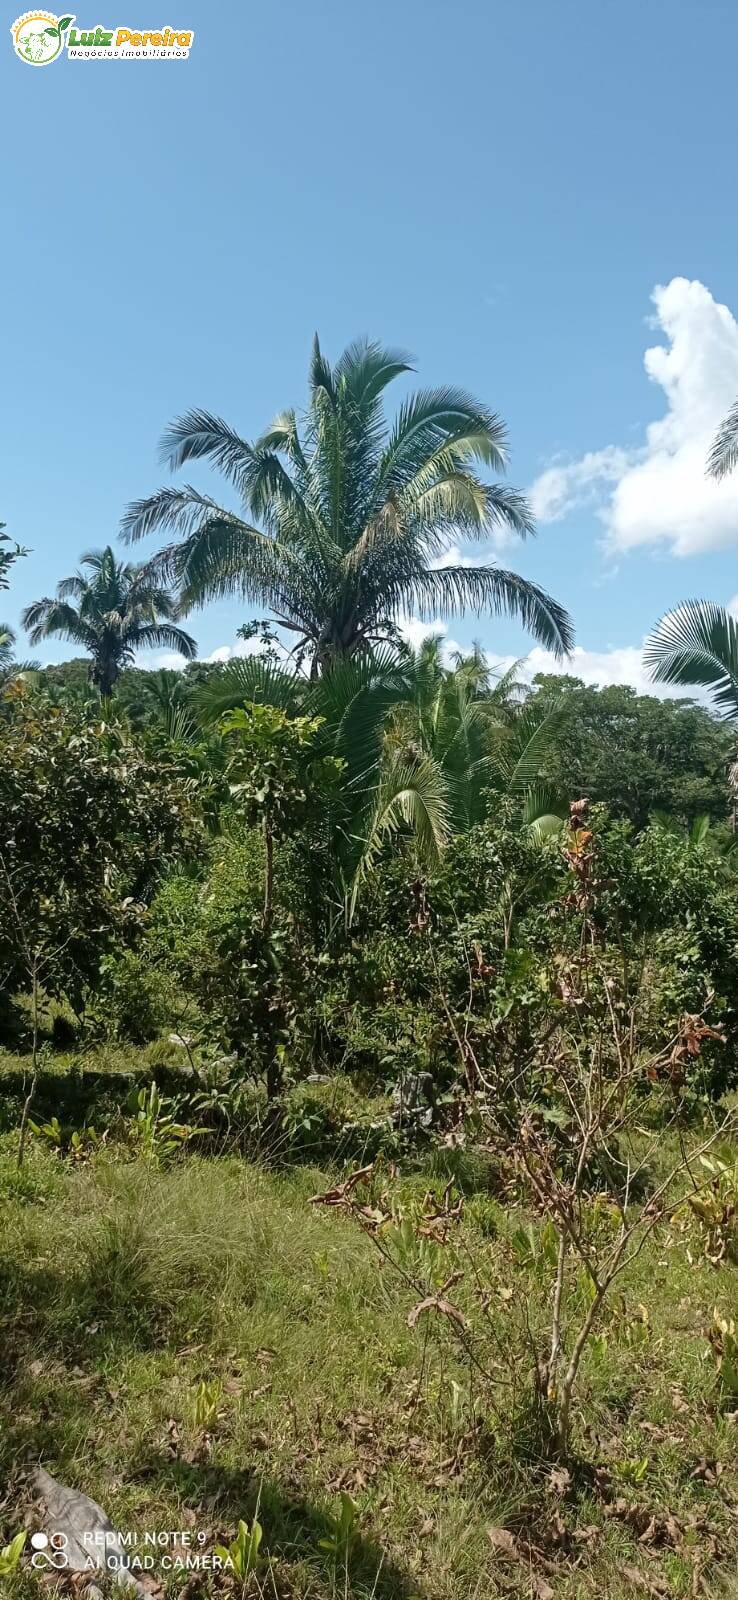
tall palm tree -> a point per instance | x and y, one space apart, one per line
119 609
343 517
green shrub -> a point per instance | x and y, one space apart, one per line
134 999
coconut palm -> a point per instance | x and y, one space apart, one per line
723 455
344 520
119 609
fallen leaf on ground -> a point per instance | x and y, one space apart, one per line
503 1541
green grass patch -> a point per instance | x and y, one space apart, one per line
127 1291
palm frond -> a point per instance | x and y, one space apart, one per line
321 376
527 742
434 419
164 636
47 618
247 679
447 591
411 796
282 434
199 435
366 369
697 644
723 455
178 510
544 810
72 587
354 696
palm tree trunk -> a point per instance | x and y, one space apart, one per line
104 674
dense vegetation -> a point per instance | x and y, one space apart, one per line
368 1042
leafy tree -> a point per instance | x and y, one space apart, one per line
118 610
277 776
90 821
349 515
635 753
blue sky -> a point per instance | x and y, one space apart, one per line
499 189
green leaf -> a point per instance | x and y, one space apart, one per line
11 1554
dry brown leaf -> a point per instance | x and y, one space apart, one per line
707 1470
436 1302
341 1192
652 1586
503 1542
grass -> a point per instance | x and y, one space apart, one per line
125 1287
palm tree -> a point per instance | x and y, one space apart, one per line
349 515
119 609
445 718
723 455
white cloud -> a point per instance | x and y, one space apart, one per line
171 661
228 652
414 632
565 485
658 493
160 661
454 557
617 664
